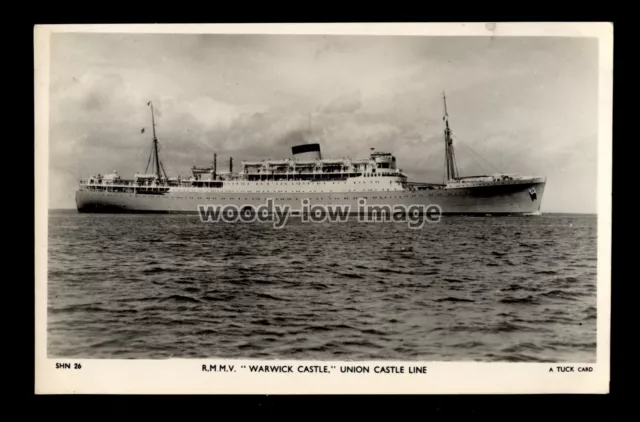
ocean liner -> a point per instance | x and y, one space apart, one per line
307 175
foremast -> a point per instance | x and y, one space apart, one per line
154 158
451 168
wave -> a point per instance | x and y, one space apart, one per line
390 271
562 294
341 327
469 345
529 300
521 357
373 331
180 299
238 281
568 344
505 327
454 299
522 347
361 343
268 296
512 288
348 275
90 309
318 328
431 272
220 298
154 270
453 280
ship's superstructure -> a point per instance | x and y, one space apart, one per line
309 175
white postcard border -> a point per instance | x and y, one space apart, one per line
186 376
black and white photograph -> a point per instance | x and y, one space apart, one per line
365 203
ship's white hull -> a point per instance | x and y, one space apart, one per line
506 198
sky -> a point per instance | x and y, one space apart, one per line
523 105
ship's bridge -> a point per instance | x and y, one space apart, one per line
384 160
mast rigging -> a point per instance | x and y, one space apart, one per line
451 166
157 164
